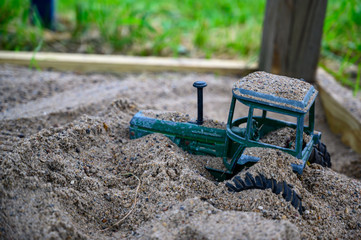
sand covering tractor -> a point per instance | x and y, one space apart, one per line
262 93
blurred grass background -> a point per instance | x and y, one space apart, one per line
208 29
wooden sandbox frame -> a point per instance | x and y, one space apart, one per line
340 119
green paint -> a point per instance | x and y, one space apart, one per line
231 142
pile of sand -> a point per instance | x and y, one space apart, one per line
285 137
75 174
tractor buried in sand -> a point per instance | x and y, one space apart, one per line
262 93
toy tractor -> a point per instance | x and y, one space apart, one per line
263 93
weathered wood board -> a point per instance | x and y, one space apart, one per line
343 110
121 64
291 38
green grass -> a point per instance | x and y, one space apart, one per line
15 31
208 29
342 41
219 28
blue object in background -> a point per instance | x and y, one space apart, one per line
46 10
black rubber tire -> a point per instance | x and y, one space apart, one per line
261 182
320 155
326 156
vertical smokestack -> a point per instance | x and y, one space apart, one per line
200 85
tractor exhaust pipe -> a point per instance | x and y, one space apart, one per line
200 85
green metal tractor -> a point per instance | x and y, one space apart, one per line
263 93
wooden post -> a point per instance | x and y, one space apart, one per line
291 40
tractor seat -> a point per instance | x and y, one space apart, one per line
239 131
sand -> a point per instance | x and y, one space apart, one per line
285 137
68 169
275 85
290 93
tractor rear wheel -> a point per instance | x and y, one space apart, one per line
320 155
261 182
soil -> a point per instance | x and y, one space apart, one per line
70 171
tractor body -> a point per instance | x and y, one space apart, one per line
263 94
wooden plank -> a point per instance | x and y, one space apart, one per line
120 64
291 38
342 110
268 34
